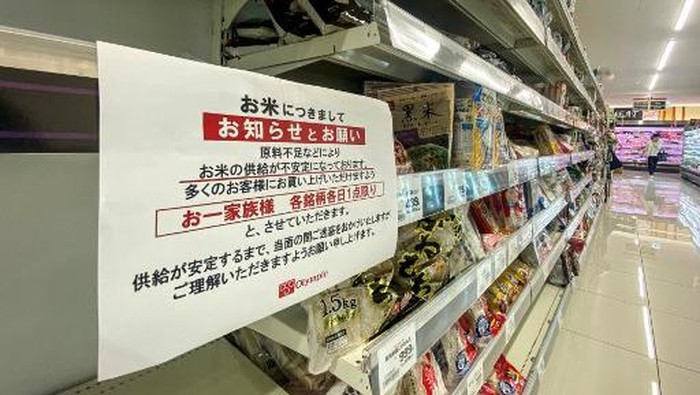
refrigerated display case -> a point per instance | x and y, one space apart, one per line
632 140
690 168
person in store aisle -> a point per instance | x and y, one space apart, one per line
652 153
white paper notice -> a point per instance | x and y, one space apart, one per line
396 357
226 196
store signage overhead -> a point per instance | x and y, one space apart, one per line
628 114
226 196
650 103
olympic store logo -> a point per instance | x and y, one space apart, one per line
290 286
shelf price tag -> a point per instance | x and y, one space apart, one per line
484 275
455 189
500 260
475 379
396 358
409 195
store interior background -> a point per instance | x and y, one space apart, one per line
50 331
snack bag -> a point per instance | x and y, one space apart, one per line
423 117
455 353
403 162
424 379
546 141
474 134
506 379
479 321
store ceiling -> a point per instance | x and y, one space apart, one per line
629 36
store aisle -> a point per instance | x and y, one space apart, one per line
632 324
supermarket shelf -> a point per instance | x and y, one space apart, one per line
517 314
27 50
423 194
690 170
691 175
562 14
578 188
578 157
359 368
217 368
531 353
550 164
399 46
514 25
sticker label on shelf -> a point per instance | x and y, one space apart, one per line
410 199
455 188
396 357
226 188
484 275
475 379
500 260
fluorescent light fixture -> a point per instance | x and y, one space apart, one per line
683 17
655 388
666 55
654 79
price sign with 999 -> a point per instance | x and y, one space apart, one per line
396 357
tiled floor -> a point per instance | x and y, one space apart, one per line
633 324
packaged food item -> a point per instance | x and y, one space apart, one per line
423 116
290 19
524 151
486 223
403 161
506 379
335 324
287 368
332 15
455 353
502 150
498 320
474 137
340 388
516 207
479 319
471 249
424 379
546 142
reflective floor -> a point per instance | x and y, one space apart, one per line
633 324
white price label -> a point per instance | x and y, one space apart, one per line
396 358
510 328
500 260
484 275
475 379
455 189
410 199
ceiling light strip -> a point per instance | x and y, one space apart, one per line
683 17
654 79
667 53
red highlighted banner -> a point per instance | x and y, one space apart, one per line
227 127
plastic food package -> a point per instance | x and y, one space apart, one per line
421 265
475 139
546 141
502 150
288 368
479 319
456 352
335 325
470 242
290 18
486 223
403 161
425 378
524 151
423 117
515 205
340 388
505 380
331 15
